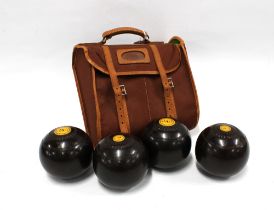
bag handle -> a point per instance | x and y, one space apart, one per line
124 30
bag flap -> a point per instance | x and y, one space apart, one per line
132 59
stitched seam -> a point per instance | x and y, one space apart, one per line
98 113
148 106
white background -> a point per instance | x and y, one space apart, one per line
231 51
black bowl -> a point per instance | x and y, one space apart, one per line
120 161
168 142
66 152
222 150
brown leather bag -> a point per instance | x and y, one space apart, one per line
124 87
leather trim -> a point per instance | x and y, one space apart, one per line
183 47
122 60
97 107
105 71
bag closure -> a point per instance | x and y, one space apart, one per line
120 89
138 59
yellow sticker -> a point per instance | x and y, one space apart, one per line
118 138
225 128
61 131
167 122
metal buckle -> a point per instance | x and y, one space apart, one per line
170 82
123 90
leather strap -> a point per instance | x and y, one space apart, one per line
120 99
168 92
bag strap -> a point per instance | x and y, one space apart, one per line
167 84
120 96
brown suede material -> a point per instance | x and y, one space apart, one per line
83 75
145 94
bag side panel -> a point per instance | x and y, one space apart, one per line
194 89
83 77
185 61
184 97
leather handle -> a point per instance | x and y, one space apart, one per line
124 30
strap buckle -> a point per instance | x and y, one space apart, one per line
123 90
170 82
